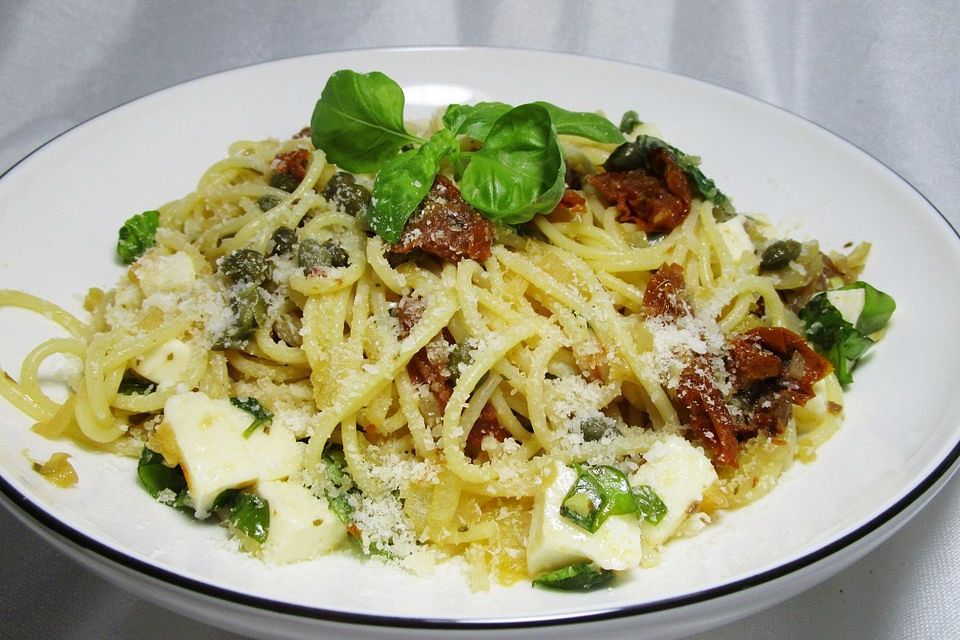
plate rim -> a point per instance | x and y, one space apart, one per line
40 517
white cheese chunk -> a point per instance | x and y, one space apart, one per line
163 273
849 302
166 364
213 452
735 237
275 451
302 526
679 473
555 541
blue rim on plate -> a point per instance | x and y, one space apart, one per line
41 518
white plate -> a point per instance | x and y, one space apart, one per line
60 209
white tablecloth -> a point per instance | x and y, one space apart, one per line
884 75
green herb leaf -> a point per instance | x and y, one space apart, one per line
839 341
358 120
877 308
137 235
577 577
474 121
690 165
519 171
403 183
252 406
131 385
335 467
156 477
598 493
650 504
588 125
629 122
250 514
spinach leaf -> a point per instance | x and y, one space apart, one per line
474 121
156 477
403 183
358 120
252 406
519 171
651 506
576 577
250 514
629 122
838 340
588 125
137 235
598 493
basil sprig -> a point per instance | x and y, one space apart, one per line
839 341
603 491
252 406
137 235
358 120
517 173
156 477
576 577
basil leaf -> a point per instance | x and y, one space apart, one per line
690 165
577 577
519 171
250 514
651 506
588 125
335 467
135 385
403 183
629 122
225 499
474 120
877 308
839 341
252 406
598 493
358 120
137 235
156 477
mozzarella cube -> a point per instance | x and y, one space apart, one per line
849 302
166 364
275 451
556 541
302 526
163 273
735 237
214 455
679 473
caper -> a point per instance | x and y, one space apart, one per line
282 241
250 311
344 191
312 255
337 256
459 358
246 265
338 180
595 427
267 202
284 181
626 157
779 254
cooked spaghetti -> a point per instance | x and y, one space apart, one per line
563 395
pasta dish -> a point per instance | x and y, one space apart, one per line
520 336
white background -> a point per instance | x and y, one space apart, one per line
883 75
